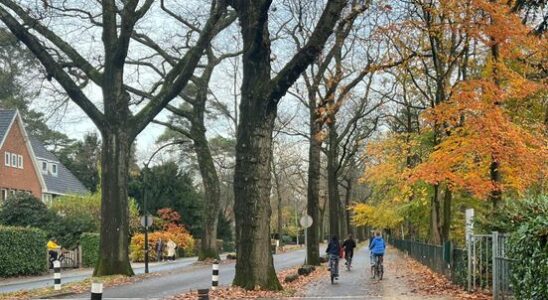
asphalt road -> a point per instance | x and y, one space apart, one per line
13 285
183 278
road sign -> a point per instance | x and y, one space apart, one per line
149 220
306 221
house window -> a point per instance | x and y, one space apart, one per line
14 160
54 169
20 161
7 158
3 194
47 199
44 167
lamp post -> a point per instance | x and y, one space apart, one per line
145 194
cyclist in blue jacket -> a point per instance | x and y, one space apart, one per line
377 247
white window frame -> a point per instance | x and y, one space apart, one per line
44 167
14 160
54 169
47 199
7 159
20 161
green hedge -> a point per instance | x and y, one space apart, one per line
90 249
529 249
22 251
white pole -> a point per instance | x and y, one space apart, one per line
306 240
57 275
96 291
215 275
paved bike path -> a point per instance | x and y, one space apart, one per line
358 284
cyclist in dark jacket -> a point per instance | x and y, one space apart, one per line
349 245
333 250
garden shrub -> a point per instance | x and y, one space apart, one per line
177 234
529 249
25 210
22 251
90 249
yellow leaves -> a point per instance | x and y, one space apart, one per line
379 216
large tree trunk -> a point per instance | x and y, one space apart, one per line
347 200
210 179
342 220
252 174
322 225
447 215
258 107
332 182
313 195
279 198
212 194
254 267
435 231
114 241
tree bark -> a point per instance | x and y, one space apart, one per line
258 108
313 195
435 232
332 182
279 198
252 175
322 220
347 200
212 192
114 240
252 183
447 215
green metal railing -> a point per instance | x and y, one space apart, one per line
441 259
489 268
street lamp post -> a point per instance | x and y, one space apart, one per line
145 194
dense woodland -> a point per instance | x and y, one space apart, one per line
390 115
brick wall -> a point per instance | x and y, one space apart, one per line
15 178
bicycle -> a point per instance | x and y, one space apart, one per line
333 261
348 262
66 262
378 268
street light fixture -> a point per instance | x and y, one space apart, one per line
145 187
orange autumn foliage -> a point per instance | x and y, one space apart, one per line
478 125
178 234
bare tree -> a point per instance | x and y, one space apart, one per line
258 107
119 125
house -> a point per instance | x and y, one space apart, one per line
28 166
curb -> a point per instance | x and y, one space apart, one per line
57 295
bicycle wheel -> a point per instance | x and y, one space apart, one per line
381 272
332 279
67 262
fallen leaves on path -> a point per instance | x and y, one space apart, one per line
429 283
289 288
79 287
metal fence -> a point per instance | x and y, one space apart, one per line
502 268
445 260
482 266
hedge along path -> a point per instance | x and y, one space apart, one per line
23 251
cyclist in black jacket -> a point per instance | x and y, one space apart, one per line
349 244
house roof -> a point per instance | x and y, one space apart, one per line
6 118
65 182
